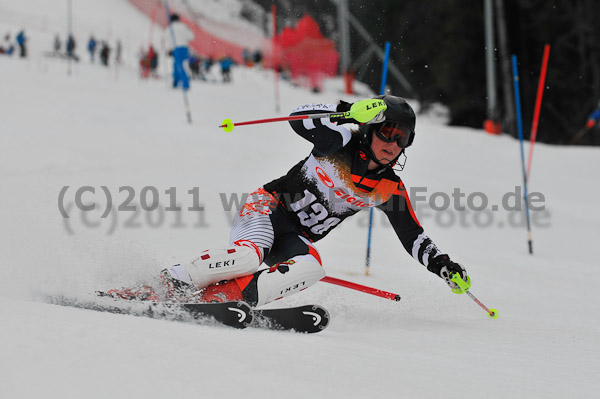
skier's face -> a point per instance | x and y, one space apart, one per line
384 152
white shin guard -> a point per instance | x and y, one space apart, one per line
213 266
289 279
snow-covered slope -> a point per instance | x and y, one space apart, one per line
98 128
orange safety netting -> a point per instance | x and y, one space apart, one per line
306 53
303 51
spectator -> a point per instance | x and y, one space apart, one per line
57 45
149 63
247 57
195 62
118 53
8 46
226 63
71 44
104 53
181 36
208 63
22 42
258 57
92 48
153 60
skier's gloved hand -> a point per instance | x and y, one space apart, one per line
369 111
445 268
344 106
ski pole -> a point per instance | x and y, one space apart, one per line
361 288
361 111
492 313
228 125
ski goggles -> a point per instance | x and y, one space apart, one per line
394 132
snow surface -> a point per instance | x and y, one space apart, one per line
101 127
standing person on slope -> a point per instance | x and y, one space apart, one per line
181 35
346 172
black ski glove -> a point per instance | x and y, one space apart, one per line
343 106
445 268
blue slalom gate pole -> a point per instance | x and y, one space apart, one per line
185 98
520 128
385 68
382 92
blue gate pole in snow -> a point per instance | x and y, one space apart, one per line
185 98
520 128
382 92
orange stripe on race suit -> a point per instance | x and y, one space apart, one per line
243 282
386 188
383 186
365 182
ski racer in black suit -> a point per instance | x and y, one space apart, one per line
272 252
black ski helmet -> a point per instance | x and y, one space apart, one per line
398 111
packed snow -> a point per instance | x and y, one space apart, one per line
107 129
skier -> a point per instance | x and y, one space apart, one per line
347 171
182 35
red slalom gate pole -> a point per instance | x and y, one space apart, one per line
361 288
538 105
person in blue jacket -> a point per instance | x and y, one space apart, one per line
226 63
92 47
181 35
22 42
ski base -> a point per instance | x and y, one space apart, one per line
302 319
237 314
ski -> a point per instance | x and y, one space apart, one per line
302 319
237 314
